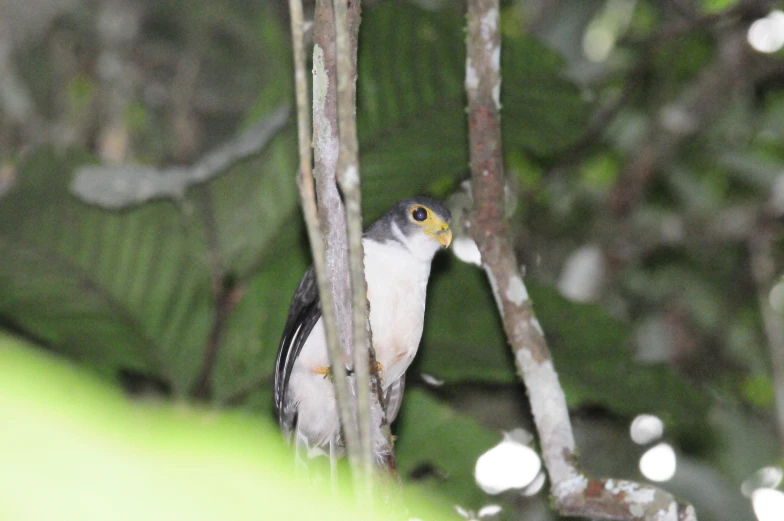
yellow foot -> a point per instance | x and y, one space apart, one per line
324 370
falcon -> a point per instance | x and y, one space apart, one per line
399 249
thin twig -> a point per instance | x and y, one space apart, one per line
308 198
573 492
224 298
224 304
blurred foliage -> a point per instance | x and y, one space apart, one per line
89 454
442 445
143 297
608 378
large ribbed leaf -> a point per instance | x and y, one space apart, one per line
463 338
433 435
124 289
253 330
411 100
137 288
592 351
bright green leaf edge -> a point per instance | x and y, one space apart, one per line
73 447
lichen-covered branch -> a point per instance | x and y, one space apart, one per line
573 492
324 222
348 177
326 147
335 227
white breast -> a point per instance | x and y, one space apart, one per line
397 286
318 419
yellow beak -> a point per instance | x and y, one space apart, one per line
441 233
445 237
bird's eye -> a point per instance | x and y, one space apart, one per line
419 214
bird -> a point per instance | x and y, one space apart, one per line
399 248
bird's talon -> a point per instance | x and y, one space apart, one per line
324 370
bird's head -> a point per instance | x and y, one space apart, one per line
421 224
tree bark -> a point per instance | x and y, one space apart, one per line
573 492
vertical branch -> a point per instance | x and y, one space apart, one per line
326 147
348 177
489 229
483 88
573 492
330 209
301 89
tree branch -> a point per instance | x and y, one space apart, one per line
330 309
119 187
224 296
331 212
573 492
348 177
338 253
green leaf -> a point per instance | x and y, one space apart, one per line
411 100
591 350
135 289
543 112
250 341
248 208
431 434
118 289
759 390
715 6
463 338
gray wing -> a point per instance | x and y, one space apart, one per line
304 312
394 397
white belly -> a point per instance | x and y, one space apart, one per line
397 314
397 285
317 411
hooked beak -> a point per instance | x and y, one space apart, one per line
442 233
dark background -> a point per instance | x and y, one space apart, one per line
644 146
